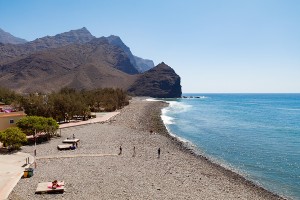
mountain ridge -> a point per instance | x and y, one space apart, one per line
10 52
7 38
75 59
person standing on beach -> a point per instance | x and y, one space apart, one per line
120 150
133 155
158 153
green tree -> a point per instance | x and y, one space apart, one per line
13 137
8 96
36 104
67 103
107 99
30 124
50 126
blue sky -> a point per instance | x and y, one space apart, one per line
215 46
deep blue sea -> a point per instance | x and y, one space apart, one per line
256 135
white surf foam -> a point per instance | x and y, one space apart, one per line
174 107
167 120
196 97
150 99
177 107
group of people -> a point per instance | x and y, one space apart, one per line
134 152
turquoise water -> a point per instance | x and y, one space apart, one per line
256 135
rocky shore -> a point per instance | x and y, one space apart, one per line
177 174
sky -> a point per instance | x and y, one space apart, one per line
215 46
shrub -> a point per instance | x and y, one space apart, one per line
13 138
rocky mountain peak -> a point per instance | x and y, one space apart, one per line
164 66
7 38
160 82
140 64
10 52
116 40
74 36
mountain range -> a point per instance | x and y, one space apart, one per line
7 38
79 60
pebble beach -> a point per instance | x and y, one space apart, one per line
95 170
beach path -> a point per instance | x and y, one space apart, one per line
12 165
11 170
100 117
74 156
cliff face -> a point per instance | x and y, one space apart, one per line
160 82
143 65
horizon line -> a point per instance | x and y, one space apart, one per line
240 92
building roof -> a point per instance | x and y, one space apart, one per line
12 114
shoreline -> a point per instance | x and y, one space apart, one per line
95 170
186 146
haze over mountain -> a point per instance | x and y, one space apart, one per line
140 64
7 38
75 59
143 65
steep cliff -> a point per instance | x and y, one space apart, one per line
160 82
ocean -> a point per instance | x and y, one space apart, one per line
255 135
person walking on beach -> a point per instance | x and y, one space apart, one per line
133 155
120 150
73 136
158 153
